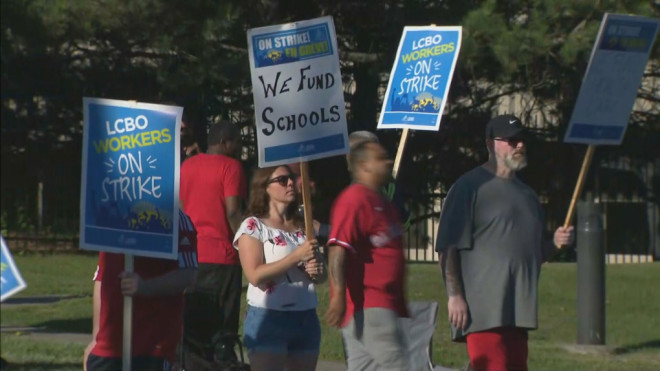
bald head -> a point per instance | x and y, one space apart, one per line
222 131
360 136
371 165
355 139
224 138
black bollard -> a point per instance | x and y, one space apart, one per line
590 274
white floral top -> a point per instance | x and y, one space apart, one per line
291 291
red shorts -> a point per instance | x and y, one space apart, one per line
498 349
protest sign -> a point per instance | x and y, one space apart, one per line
297 88
11 280
609 89
419 82
130 178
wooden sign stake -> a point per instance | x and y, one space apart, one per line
399 153
580 183
307 200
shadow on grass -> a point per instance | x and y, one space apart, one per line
23 300
38 366
651 344
76 325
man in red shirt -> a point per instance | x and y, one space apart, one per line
157 286
367 266
212 191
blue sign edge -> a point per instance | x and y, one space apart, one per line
173 253
14 270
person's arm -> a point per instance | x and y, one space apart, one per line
450 265
96 314
96 308
170 283
454 234
192 149
234 212
337 267
234 192
349 225
451 271
251 254
562 237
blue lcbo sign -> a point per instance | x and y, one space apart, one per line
130 178
11 280
420 78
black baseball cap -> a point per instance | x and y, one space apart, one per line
504 126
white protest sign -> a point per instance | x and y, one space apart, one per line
609 89
297 88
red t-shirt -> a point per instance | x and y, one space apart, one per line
369 227
157 320
206 181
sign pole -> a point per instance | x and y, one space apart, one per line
307 199
128 320
399 153
580 182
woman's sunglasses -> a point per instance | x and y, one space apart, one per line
283 180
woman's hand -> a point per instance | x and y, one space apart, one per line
307 250
315 267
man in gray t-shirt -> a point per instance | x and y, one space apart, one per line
491 245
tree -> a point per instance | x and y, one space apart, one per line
193 53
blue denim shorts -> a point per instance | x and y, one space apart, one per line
281 332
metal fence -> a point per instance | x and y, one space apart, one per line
421 234
629 190
43 216
39 218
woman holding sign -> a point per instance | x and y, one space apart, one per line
281 328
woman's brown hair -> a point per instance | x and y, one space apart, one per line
258 204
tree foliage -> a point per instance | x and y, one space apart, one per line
193 53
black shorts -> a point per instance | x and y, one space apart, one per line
211 312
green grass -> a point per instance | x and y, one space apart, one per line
29 354
633 322
68 275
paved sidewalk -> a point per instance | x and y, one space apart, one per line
84 339
38 300
41 333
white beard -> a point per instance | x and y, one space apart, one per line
514 163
